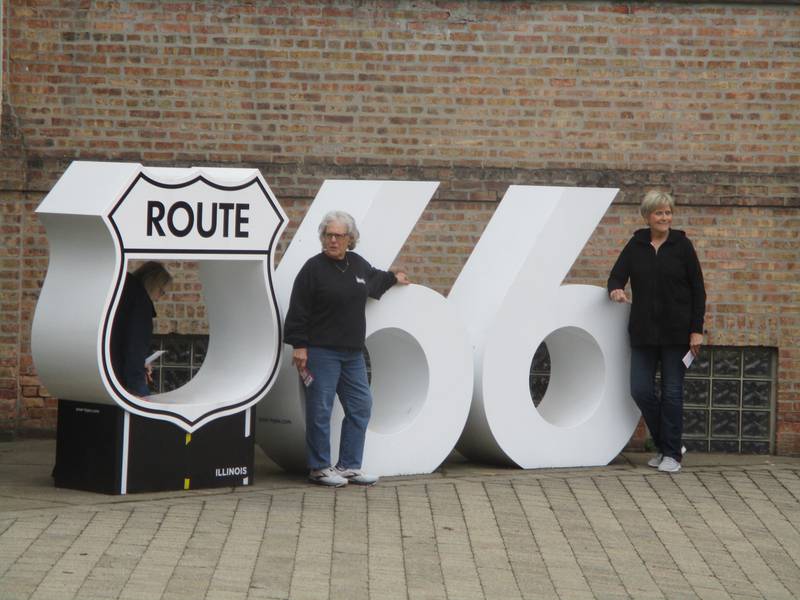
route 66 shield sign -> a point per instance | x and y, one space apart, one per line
99 217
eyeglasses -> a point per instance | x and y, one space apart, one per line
335 236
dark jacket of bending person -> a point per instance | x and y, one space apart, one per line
132 331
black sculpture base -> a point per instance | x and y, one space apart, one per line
94 454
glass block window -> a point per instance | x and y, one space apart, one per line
183 357
540 374
729 398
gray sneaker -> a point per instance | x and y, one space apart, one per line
655 462
328 476
357 476
669 465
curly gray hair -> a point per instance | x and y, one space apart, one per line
343 218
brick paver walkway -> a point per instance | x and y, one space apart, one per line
728 530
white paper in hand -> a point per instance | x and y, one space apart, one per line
153 357
688 359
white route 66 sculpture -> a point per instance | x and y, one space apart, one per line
445 371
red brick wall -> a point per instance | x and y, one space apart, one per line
699 98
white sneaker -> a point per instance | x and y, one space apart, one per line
655 462
669 465
357 476
327 476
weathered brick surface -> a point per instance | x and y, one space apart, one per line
699 98
477 84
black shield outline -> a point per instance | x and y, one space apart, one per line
119 395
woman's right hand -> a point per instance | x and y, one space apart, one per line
300 358
618 296
148 373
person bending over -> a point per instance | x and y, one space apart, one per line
132 330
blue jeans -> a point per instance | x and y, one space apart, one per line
343 373
663 416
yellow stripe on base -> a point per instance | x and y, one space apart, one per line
186 483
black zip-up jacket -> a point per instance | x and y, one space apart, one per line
669 297
328 301
131 334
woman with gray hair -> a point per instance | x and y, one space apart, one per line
326 325
666 320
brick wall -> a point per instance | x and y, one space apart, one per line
699 98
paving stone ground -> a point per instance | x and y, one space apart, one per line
726 527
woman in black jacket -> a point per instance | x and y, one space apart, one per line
326 325
133 326
669 302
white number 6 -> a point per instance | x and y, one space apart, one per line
511 296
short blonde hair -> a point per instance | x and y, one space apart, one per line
343 218
653 199
153 276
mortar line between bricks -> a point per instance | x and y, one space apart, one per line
183 552
8 525
333 540
300 529
31 543
403 540
625 532
747 474
131 501
101 555
267 516
502 538
660 541
66 551
54 505
200 518
736 523
208 495
712 532
143 554
743 534
780 480
550 508
222 546
55 562
436 539
533 535
599 541
677 521
23 252
546 496
367 536
793 498
469 541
